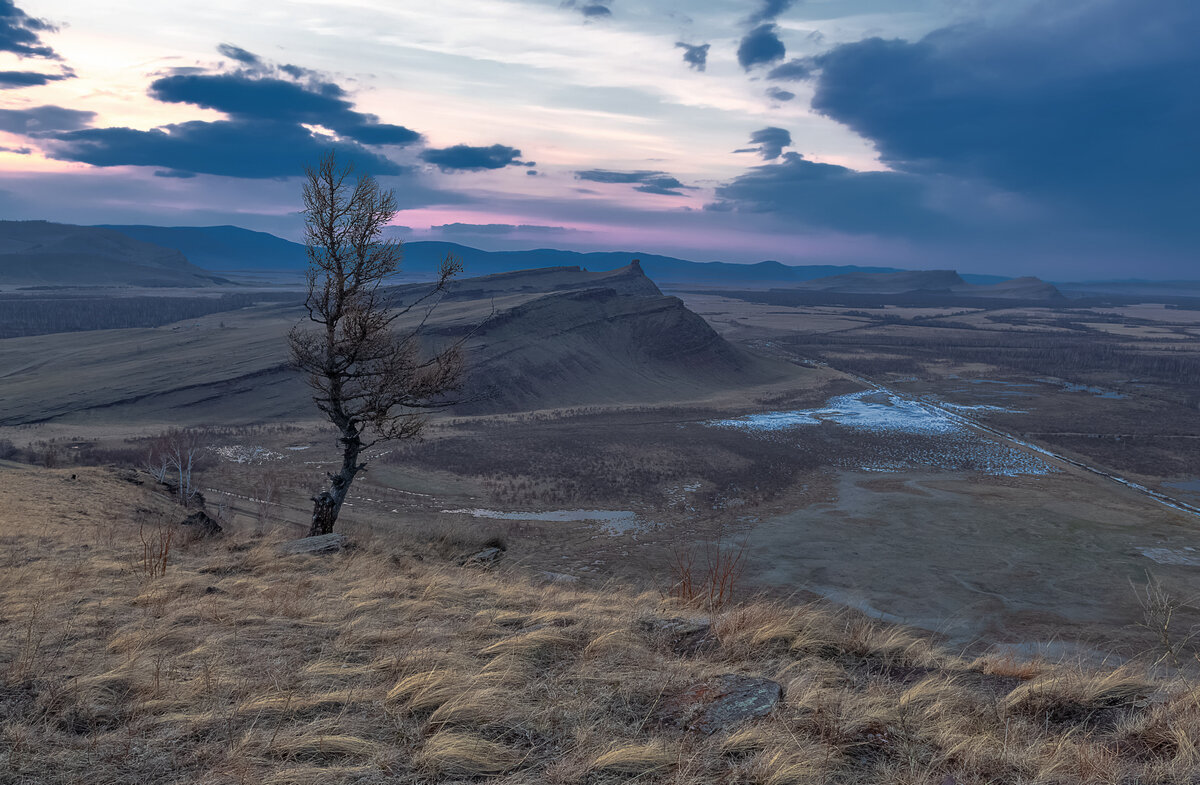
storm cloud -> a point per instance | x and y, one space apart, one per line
760 46
269 131
465 158
696 56
246 97
834 197
21 33
251 149
793 70
590 9
14 79
768 142
44 118
650 182
1030 107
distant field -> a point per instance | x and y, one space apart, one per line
43 312
972 535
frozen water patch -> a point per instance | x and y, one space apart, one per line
923 434
878 411
979 407
612 521
1187 557
300 447
240 453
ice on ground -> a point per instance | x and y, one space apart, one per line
937 434
240 453
867 410
613 521
1185 558
980 407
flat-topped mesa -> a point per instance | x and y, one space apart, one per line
627 280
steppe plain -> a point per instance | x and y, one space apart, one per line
988 474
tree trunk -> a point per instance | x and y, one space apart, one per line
325 512
327 504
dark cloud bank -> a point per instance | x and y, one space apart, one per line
650 182
1081 113
280 118
21 35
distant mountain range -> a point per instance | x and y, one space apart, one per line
40 253
231 249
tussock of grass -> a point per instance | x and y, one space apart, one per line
789 766
745 741
465 754
634 758
238 666
322 747
1063 696
538 644
427 691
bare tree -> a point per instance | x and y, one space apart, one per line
266 497
373 382
158 459
183 449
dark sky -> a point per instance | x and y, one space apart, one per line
1055 138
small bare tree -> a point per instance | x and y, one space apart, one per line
373 382
174 456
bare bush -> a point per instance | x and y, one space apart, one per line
156 541
266 494
710 574
1160 612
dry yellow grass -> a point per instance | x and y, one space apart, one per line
238 666
634 758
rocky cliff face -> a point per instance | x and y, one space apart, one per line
597 337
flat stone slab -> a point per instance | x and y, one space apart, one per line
323 543
484 557
722 703
686 635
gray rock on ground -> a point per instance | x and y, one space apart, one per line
722 703
322 543
482 558
689 636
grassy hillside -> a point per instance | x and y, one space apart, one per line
536 339
391 663
40 253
